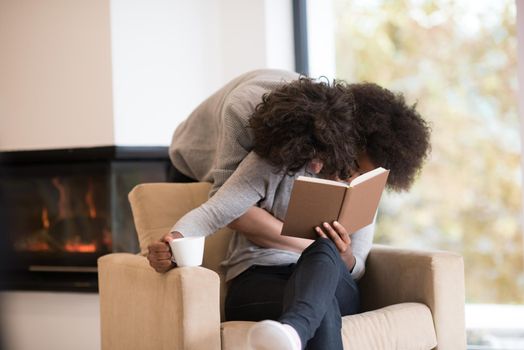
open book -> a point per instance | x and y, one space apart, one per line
314 201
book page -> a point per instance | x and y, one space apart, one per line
362 200
323 181
368 175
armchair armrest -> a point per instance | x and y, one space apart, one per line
175 310
434 278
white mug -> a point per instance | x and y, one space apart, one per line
187 251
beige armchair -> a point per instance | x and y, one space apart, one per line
411 299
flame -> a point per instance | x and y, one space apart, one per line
76 247
45 218
90 201
67 210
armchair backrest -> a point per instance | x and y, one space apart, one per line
156 208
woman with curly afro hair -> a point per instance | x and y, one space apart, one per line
336 122
252 139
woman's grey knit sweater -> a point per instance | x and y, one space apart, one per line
256 182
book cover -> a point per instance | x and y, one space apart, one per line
314 201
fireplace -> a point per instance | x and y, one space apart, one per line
62 209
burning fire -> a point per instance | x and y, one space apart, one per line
74 246
45 218
90 201
68 209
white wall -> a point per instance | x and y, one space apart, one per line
125 72
321 38
166 57
78 73
279 39
55 74
169 55
256 34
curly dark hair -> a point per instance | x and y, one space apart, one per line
335 122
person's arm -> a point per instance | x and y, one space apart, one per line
263 229
361 243
230 202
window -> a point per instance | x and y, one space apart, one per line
458 61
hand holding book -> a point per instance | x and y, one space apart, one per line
315 201
342 239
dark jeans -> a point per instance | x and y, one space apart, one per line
311 296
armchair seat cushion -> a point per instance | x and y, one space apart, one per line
401 326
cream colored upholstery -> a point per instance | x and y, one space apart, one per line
411 299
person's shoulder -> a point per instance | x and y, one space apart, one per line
263 79
270 77
253 160
255 173
254 165
243 99
269 72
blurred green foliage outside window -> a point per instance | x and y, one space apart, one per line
458 59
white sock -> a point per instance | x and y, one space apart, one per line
294 334
272 335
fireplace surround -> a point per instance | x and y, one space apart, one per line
61 209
